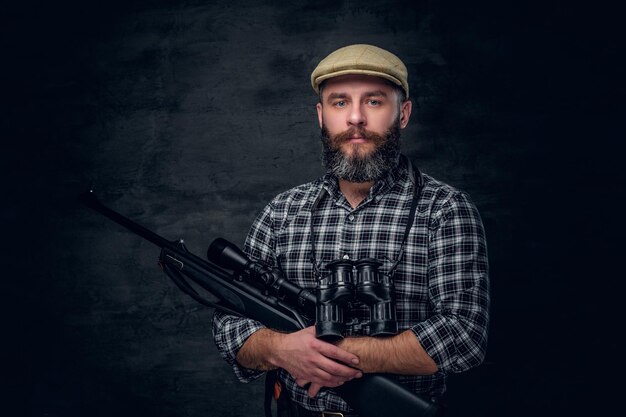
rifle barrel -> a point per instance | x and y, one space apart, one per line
91 201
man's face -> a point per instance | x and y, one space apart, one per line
361 117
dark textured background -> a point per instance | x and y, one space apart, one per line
189 116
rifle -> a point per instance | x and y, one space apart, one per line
249 289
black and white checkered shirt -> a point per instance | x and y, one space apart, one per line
441 284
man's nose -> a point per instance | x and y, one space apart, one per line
357 116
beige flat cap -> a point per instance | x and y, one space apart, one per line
361 59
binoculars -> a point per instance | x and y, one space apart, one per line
349 280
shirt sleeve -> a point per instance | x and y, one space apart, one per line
231 332
455 336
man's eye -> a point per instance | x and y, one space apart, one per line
340 104
374 102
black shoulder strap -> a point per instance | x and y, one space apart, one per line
270 380
418 184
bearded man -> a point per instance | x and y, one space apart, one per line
371 204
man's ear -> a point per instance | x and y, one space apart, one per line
405 113
318 107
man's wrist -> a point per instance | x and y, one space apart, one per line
364 347
272 341
259 351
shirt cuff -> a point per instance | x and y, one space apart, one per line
437 340
230 333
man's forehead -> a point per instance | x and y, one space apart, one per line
357 83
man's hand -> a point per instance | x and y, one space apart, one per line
307 359
310 360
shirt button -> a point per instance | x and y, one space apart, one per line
346 256
351 217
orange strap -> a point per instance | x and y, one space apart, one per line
277 390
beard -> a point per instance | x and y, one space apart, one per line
357 166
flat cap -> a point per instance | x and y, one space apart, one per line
361 59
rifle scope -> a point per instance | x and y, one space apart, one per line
225 254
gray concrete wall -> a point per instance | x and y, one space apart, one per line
190 116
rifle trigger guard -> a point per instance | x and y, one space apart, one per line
178 262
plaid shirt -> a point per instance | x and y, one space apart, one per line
441 284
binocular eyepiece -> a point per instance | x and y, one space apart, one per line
354 280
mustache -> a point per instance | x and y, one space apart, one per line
345 136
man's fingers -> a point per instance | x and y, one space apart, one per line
325 379
338 370
314 389
322 378
332 351
302 382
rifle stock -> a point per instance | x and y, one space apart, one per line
373 395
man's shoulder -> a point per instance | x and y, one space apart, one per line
437 187
287 206
296 198
441 194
